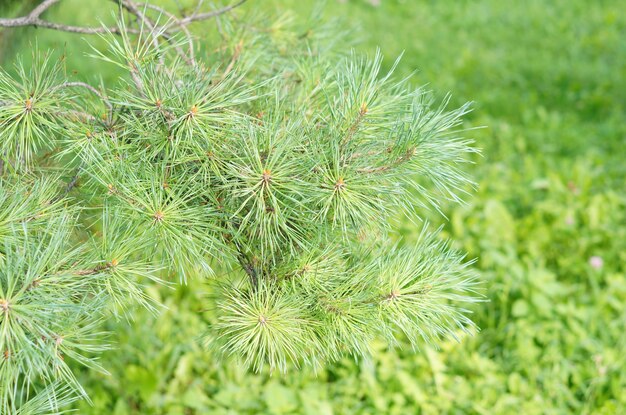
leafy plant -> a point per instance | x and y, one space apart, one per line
275 167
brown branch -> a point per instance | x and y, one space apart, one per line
208 15
33 19
94 270
246 264
42 7
197 9
250 270
71 184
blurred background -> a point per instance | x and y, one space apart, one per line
547 224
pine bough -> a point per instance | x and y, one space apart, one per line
273 165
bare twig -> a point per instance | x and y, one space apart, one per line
95 270
42 7
71 184
197 9
208 15
246 264
34 19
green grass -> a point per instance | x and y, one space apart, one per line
549 82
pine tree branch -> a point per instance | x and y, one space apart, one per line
187 173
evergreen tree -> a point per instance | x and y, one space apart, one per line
273 166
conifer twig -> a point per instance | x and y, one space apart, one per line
298 199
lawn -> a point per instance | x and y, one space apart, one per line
547 226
